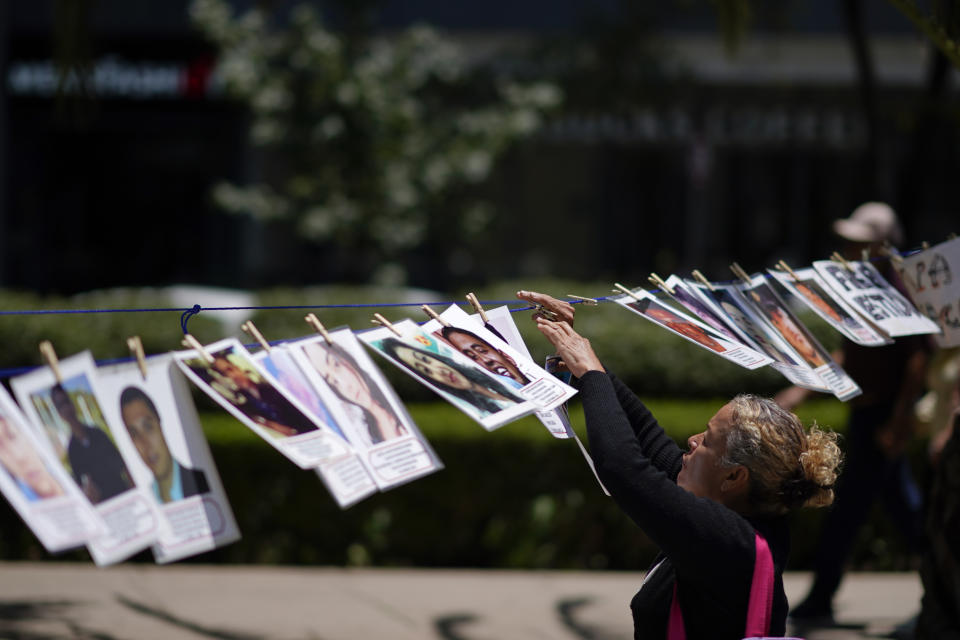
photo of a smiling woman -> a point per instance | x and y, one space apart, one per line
487 395
358 392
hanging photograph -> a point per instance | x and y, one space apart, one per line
864 289
810 289
774 310
556 421
646 305
725 300
486 349
173 459
69 415
250 394
37 486
364 403
689 299
932 278
483 396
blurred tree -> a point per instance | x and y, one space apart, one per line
369 144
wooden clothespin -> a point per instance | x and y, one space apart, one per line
836 257
251 328
192 343
888 251
433 314
136 348
383 322
622 289
46 348
590 301
740 273
657 280
472 299
785 267
699 277
318 327
924 245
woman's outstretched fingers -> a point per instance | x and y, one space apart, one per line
564 310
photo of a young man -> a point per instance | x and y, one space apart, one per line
95 462
240 384
483 353
172 480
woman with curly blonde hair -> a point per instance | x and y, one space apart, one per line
717 511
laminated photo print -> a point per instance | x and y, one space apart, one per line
483 396
645 304
255 398
500 322
69 415
491 352
692 302
38 487
875 298
726 301
171 456
773 309
809 288
364 403
557 421
931 278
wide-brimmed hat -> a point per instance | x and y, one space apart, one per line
870 222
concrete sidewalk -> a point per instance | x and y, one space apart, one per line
138 602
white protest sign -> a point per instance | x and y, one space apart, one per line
931 278
861 285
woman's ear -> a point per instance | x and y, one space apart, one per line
737 480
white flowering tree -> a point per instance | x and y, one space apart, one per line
370 145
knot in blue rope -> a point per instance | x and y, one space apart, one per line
185 317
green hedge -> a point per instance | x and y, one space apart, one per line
514 498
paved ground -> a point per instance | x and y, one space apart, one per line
139 602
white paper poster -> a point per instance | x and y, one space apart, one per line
38 487
556 421
809 288
346 477
363 402
869 293
481 395
70 416
691 329
170 456
486 349
775 312
256 399
724 299
932 278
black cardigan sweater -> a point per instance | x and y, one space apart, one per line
707 549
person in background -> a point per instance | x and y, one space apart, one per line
878 430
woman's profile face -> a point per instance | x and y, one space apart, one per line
702 473
432 368
21 461
342 376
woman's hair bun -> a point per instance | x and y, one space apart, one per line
820 466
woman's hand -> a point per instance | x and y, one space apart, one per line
563 310
574 349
